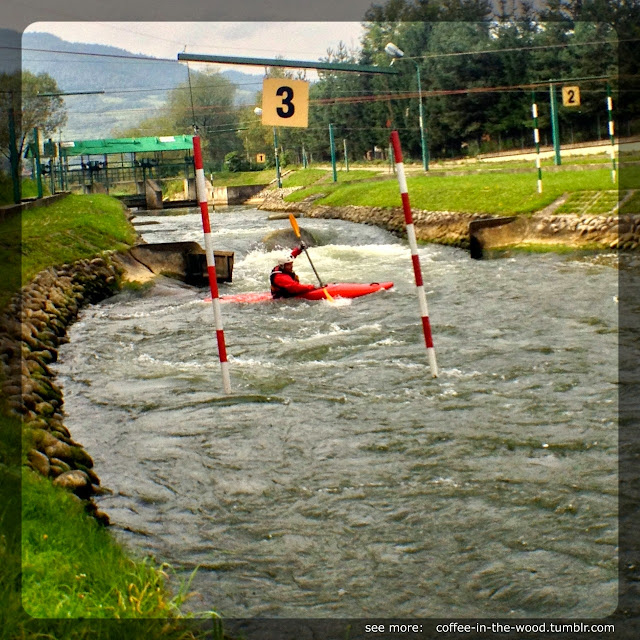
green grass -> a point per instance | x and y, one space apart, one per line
632 205
307 177
29 189
492 193
590 202
71 566
304 177
57 562
599 159
172 188
61 573
70 229
239 178
354 175
297 178
629 176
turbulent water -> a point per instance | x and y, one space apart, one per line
339 479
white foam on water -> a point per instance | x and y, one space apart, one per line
241 361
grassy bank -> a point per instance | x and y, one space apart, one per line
66 571
73 228
492 193
62 576
71 566
240 178
29 189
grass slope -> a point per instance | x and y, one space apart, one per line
493 193
71 566
70 229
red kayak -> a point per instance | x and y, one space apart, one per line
346 290
335 290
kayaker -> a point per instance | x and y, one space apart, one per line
284 282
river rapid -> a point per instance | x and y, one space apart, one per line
339 479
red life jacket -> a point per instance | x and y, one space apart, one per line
281 292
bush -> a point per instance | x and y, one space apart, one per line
234 162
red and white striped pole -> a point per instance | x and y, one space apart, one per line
201 191
413 243
612 148
536 138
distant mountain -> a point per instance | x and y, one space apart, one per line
142 85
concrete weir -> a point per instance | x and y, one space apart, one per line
185 261
489 232
234 195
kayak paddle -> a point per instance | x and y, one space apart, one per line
296 230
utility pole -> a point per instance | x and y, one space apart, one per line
36 153
554 124
13 157
333 153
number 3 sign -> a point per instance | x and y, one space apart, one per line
285 102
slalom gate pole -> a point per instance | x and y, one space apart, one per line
211 262
413 243
612 147
536 138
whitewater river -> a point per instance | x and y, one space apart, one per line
339 479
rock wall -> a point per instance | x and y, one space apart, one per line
32 327
442 227
451 228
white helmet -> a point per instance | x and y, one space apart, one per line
285 258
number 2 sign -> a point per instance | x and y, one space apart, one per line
571 96
285 102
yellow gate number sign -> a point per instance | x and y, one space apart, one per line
285 102
571 96
260 157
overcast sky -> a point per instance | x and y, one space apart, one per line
290 40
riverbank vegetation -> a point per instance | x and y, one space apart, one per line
63 576
59 568
29 189
72 566
499 194
69 229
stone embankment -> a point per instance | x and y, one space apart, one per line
451 228
32 327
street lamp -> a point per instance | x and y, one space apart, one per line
258 112
395 52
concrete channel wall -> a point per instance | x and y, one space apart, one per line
484 231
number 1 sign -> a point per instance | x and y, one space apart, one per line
285 102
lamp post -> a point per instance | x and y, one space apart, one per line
554 124
258 112
395 52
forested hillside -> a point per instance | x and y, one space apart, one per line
135 89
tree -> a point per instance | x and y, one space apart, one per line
157 126
622 19
207 102
337 101
255 138
456 119
24 94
